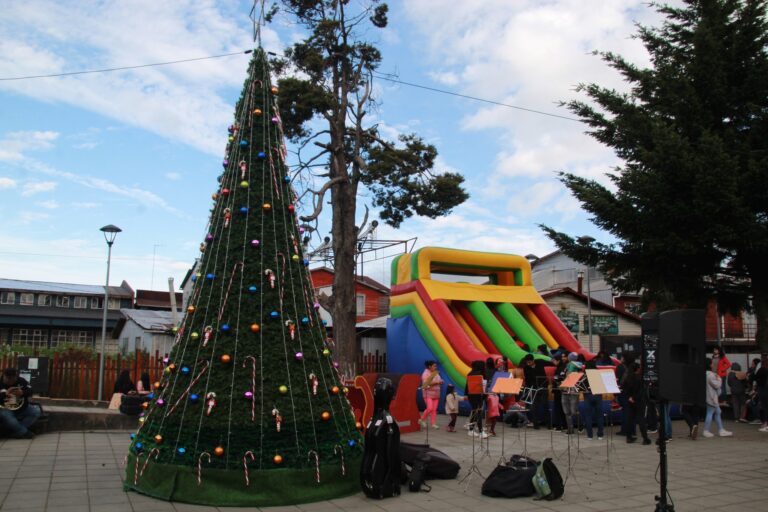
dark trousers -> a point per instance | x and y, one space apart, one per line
627 427
691 415
637 416
537 414
558 415
593 413
453 420
16 423
476 417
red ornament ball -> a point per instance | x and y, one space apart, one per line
218 451
291 208
225 191
277 459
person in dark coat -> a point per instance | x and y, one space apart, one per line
637 401
124 384
476 401
14 388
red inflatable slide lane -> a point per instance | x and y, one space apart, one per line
452 330
472 323
558 331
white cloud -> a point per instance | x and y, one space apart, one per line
85 205
85 145
30 217
14 144
48 205
7 183
445 77
173 176
184 102
36 187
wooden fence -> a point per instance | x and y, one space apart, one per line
372 363
79 379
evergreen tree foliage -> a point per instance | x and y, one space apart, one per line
689 206
250 387
327 99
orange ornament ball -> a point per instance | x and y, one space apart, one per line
267 206
335 390
171 367
218 451
257 112
145 405
158 439
358 425
325 416
226 358
214 196
255 328
274 90
191 309
277 459
157 385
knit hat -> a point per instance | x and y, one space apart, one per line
573 356
736 367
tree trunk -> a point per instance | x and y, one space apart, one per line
344 204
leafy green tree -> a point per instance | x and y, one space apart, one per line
327 94
689 205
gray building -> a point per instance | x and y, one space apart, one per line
144 329
44 314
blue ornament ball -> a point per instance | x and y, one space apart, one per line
185 370
325 322
193 278
210 277
352 443
181 450
194 398
224 327
252 289
133 436
243 142
151 396
306 263
244 210
305 320
274 314
262 154
287 179
138 447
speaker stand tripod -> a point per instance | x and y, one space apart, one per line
661 499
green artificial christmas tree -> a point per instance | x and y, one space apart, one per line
250 410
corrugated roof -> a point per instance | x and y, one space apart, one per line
149 319
374 323
124 290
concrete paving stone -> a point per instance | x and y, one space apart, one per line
24 501
68 486
68 508
103 497
111 507
187 507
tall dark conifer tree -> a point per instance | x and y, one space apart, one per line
250 409
689 207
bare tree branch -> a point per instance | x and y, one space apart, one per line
319 195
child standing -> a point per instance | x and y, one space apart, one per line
492 412
451 406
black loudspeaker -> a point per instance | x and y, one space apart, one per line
673 355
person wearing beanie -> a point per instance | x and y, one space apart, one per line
570 398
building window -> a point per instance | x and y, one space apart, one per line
62 301
26 299
81 302
114 303
360 305
43 300
29 337
97 302
66 337
7 298
383 306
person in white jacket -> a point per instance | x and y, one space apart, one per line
714 383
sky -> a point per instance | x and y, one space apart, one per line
141 148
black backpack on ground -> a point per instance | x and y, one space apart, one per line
131 404
418 473
380 467
440 465
547 481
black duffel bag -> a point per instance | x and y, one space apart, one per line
131 404
440 465
510 482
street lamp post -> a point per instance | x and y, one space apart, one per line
587 240
110 232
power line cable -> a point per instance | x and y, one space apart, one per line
106 70
475 98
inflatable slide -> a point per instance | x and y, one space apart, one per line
455 323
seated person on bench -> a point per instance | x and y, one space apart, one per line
16 421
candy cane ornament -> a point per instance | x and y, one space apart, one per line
313 382
291 329
278 418
271 276
200 467
144 467
248 454
136 469
253 384
210 403
310 454
338 450
186 391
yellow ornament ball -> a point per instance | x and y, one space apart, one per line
283 389
158 439
141 420
277 459
243 184
295 257
218 451
175 330
230 138
325 416
326 352
194 335
257 112
226 358
345 390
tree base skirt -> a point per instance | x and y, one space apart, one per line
273 487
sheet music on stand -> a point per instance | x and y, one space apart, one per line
602 381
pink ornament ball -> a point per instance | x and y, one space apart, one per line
335 364
275 120
299 356
255 243
160 402
317 305
165 360
248 395
208 237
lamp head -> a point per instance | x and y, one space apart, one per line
110 232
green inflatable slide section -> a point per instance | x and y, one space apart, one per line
496 332
520 325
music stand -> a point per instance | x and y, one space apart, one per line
603 381
528 397
505 386
474 387
569 386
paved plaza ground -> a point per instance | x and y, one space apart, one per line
81 471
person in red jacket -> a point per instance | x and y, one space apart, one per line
720 365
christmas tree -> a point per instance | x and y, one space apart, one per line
250 409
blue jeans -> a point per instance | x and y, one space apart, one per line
713 411
593 412
16 423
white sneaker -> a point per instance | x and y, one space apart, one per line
472 433
422 423
484 435
436 426
725 433
599 438
707 433
763 429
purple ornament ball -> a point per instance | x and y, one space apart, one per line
208 237
248 395
255 243
299 356
317 305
